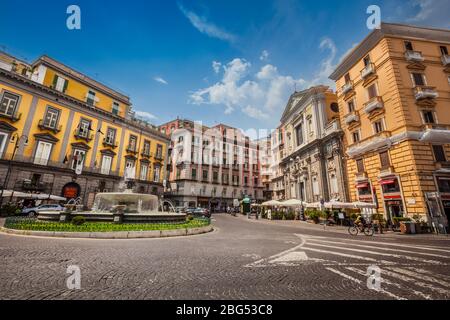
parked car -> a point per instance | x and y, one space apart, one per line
190 210
202 212
180 209
31 212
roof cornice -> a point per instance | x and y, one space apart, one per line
394 30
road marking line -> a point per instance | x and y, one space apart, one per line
346 276
388 249
291 257
443 276
430 248
384 280
418 283
420 276
341 254
376 253
254 264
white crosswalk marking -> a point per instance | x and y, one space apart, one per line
346 242
420 276
388 249
406 270
398 286
376 253
346 276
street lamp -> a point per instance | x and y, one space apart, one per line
16 139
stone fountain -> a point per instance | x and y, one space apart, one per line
124 206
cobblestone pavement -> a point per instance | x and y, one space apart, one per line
240 260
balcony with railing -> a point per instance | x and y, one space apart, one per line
332 126
352 117
46 126
132 149
14 117
445 60
83 135
109 143
368 70
146 153
412 55
158 156
347 87
373 104
425 92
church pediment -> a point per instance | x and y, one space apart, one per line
47 137
416 66
5 126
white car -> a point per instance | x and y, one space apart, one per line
31 212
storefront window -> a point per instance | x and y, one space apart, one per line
390 186
443 184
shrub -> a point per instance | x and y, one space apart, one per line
189 218
290 215
313 214
397 220
78 220
10 210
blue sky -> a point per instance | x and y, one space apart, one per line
229 61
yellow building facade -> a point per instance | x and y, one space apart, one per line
64 133
394 98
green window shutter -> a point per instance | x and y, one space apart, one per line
55 80
66 83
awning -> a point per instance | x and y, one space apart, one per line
338 205
384 182
14 194
293 203
271 203
362 185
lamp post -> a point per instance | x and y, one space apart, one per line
16 139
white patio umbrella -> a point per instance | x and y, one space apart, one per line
272 203
43 196
14 194
338 205
293 203
361 205
313 205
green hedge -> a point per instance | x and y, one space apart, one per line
36 225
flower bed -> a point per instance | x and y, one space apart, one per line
36 225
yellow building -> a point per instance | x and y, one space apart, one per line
64 133
394 98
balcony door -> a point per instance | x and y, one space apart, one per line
42 153
106 164
3 142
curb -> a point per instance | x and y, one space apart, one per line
112 235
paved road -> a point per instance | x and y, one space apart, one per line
240 260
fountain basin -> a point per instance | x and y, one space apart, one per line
119 207
157 217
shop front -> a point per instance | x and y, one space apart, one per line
364 191
443 185
392 197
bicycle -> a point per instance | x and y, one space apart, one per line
366 228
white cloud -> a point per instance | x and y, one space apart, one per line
216 66
259 96
327 66
432 12
264 55
205 27
160 80
145 115
255 113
